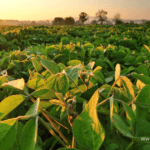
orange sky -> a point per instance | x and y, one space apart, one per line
48 10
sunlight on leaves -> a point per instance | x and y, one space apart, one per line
87 129
19 84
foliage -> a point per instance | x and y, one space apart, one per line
83 17
101 14
69 21
88 89
58 21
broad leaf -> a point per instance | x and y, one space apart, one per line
51 66
117 74
129 115
36 64
144 97
7 133
87 124
36 83
18 84
10 103
143 78
74 62
34 108
51 82
29 135
119 123
44 94
62 84
2 80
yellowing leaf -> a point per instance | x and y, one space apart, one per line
97 68
147 48
87 124
19 84
117 74
140 84
129 85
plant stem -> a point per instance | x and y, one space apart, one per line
52 132
74 82
129 146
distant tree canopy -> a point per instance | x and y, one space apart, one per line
77 23
131 22
119 22
148 22
83 17
33 23
69 21
101 14
117 19
58 21
93 22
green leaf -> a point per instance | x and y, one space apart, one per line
16 145
144 97
87 129
141 112
129 115
73 73
36 64
142 70
60 97
34 108
119 123
29 135
142 128
97 74
62 84
143 78
74 62
36 83
103 110
7 133
110 63
2 80
51 66
64 113
126 71
10 103
67 149
18 84
17 64
45 104
44 94
51 82
88 45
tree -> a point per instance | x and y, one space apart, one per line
148 22
117 17
119 22
131 22
143 21
33 23
83 17
101 14
58 21
69 21
77 23
93 22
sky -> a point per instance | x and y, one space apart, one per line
49 9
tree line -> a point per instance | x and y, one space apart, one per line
83 16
